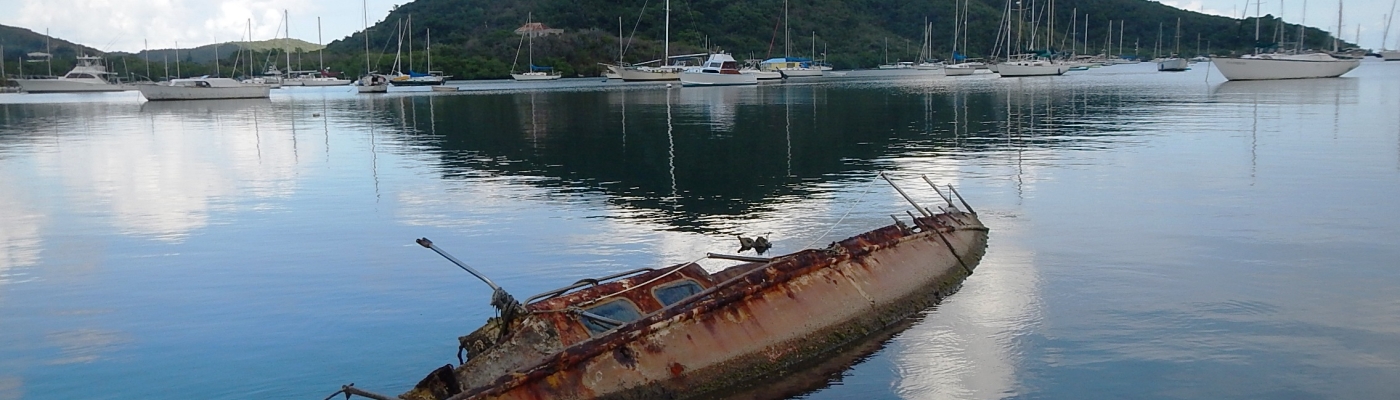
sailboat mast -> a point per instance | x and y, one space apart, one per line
666 58
365 9
1391 17
429 49
531 51
288 39
321 59
1120 37
787 43
1157 50
1336 39
1178 38
49 53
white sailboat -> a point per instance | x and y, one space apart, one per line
1023 65
322 77
536 73
665 72
414 78
1277 65
961 66
1389 55
1174 63
87 76
371 82
719 70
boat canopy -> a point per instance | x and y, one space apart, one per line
413 74
534 67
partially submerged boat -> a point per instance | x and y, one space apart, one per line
681 331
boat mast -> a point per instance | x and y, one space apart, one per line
1120 37
531 51
666 58
408 31
321 59
429 49
177 59
364 9
1256 24
1301 30
49 53
1388 20
1178 38
1336 39
1157 50
787 43
287 40
146 52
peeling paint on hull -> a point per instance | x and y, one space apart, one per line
755 320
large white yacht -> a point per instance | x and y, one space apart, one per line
203 88
87 76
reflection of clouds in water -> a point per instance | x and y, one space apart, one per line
165 182
19 230
83 345
11 388
966 348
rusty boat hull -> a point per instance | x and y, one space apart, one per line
751 320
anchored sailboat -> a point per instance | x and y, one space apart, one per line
536 73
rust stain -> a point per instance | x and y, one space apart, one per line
749 320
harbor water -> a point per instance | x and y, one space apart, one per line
1153 235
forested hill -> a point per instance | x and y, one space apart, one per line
20 41
474 38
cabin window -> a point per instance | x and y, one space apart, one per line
675 292
81 76
621 310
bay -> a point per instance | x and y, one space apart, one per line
1153 235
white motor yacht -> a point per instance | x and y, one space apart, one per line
87 76
1284 66
719 70
1390 55
203 88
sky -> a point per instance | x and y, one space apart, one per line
123 25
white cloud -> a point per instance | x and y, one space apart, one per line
118 25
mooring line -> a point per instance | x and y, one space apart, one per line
843 216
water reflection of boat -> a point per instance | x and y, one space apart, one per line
661 333
226 106
1311 91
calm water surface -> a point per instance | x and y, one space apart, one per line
1153 235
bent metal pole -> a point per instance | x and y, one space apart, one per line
906 196
429 244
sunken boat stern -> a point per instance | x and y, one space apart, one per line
756 323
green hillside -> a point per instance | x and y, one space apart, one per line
206 53
474 38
